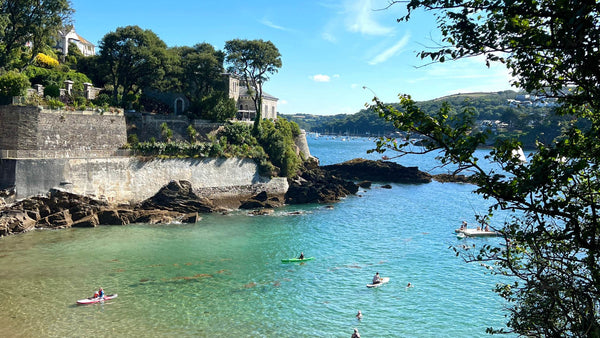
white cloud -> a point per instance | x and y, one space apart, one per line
360 18
282 102
269 23
388 53
354 85
320 78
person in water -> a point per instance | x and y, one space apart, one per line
359 315
355 334
301 255
376 278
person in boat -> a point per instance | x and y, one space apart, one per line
487 228
301 255
355 334
376 278
359 315
95 294
100 293
463 225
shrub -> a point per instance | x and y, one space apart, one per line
13 83
45 61
52 91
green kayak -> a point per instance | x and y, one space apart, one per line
293 260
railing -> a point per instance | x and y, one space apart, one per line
70 153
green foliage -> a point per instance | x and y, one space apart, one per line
31 21
217 107
13 83
134 59
255 60
551 248
192 133
278 142
166 132
52 91
54 103
55 76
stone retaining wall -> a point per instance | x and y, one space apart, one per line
130 180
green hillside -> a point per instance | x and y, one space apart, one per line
506 114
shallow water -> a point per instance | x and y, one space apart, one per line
223 276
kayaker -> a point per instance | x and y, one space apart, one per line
355 334
101 293
376 278
95 294
301 255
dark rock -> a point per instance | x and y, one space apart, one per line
386 186
111 217
318 186
191 218
90 221
61 220
454 178
364 184
15 221
178 196
379 171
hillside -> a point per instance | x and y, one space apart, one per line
507 114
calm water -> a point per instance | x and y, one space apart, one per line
223 276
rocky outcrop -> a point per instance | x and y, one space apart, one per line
379 171
318 186
175 202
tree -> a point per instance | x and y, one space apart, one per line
200 69
29 22
255 60
135 59
551 246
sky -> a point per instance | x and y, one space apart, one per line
336 54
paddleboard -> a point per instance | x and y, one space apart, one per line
383 281
293 260
93 300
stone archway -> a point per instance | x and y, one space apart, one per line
178 106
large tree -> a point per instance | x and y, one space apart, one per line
133 58
33 22
551 248
254 60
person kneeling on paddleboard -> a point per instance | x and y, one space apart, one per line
376 279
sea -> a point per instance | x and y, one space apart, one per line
223 276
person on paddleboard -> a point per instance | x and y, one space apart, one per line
376 278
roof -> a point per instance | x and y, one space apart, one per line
265 95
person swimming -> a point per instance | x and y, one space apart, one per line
359 315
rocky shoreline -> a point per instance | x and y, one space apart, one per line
178 202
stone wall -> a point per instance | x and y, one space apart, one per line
130 180
29 131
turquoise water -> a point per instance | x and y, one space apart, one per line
223 276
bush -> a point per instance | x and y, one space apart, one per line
45 61
13 83
52 91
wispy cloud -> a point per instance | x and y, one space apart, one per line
269 23
388 53
360 18
282 102
320 78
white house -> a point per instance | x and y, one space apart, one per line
67 35
245 105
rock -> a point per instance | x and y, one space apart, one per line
378 171
364 184
454 178
178 196
386 186
261 201
191 218
61 220
15 221
318 186
261 212
90 221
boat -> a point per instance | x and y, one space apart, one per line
295 260
466 232
93 300
383 281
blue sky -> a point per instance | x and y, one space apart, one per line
330 49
